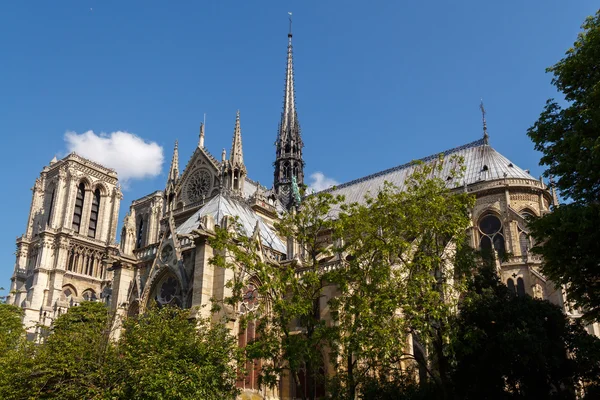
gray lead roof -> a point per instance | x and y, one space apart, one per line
482 163
222 205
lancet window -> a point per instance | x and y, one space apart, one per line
78 212
140 234
50 206
525 242
94 214
246 334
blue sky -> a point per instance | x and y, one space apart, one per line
378 83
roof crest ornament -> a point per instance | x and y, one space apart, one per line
201 140
485 132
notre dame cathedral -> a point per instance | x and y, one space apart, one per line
69 252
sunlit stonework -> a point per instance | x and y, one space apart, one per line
68 252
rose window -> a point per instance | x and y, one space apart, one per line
168 292
199 185
249 299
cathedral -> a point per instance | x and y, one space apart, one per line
69 251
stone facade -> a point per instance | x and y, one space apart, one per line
70 230
68 252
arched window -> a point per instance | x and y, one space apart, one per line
71 262
246 334
89 295
50 207
286 170
68 294
525 241
490 228
520 287
78 212
94 214
140 232
511 286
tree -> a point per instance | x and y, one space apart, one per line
163 354
72 362
569 139
517 347
407 260
15 354
290 334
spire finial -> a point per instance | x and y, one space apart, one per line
201 139
485 133
236 156
174 170
290 17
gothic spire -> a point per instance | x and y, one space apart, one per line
288 162
237 155
174 171
173 178
485 132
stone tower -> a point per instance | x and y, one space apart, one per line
288 162
71 229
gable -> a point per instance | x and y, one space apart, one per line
200 177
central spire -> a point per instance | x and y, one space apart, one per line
288 161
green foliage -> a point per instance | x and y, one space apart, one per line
164 354
161 355
70 364
406 262
510 347
11 327
569 139
15 354
290 334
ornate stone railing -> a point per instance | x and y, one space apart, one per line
146 252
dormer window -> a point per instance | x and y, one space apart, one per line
485 168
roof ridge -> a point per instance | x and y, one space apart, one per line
476 143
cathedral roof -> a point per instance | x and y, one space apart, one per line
482 163
223 205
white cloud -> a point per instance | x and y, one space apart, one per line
320 182
131 156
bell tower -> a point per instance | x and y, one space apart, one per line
289 165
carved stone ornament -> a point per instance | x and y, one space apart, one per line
199 185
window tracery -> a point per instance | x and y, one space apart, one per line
246 334
525 241
491 234
168 292
89 295
86 261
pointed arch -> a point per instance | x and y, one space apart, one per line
520 287
491 232
78 210
49 200
94 212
